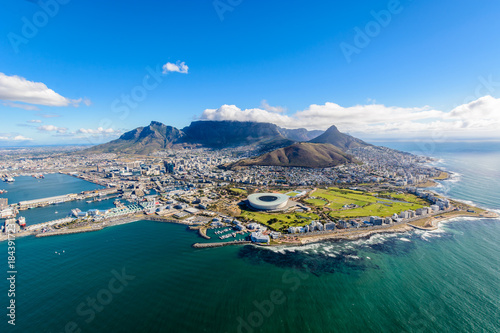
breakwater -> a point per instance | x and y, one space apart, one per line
219 244
163 219
67 232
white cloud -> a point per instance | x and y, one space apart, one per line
16 88
34 121
267 107
483 110
52 128
21 138
21 106
179 67
9 137
100 131
480 118
232 112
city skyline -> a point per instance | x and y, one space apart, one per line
364 68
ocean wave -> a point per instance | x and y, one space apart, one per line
352 256
472 203
454 177
374 239
428 236
344 248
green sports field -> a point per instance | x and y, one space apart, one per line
367 203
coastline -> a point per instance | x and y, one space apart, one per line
432 182
353 235
428 224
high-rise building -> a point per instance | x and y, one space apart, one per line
169 166
4 203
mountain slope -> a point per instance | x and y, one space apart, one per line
142 140
300 134
343 141
301 154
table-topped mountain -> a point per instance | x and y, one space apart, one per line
223 134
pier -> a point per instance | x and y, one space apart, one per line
68 197
67 232
162 219
219 244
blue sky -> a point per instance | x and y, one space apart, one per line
423 68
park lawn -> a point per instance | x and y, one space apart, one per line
316 202
334 205
283 219
376 209
337 198
359 196
238 191
332 197
341 196
406 197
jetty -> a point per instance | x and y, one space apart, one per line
162 219
67 232
219 244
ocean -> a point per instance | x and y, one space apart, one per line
29 188
54 184
146 277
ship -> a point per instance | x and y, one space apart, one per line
22 221
9 179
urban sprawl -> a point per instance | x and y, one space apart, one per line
189 186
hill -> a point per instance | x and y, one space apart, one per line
301 154
343 141
142 140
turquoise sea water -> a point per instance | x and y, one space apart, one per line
29 188
442 281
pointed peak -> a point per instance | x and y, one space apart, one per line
332 128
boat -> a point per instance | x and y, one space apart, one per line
9 179
3 191
22 221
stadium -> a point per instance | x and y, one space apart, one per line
268 201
